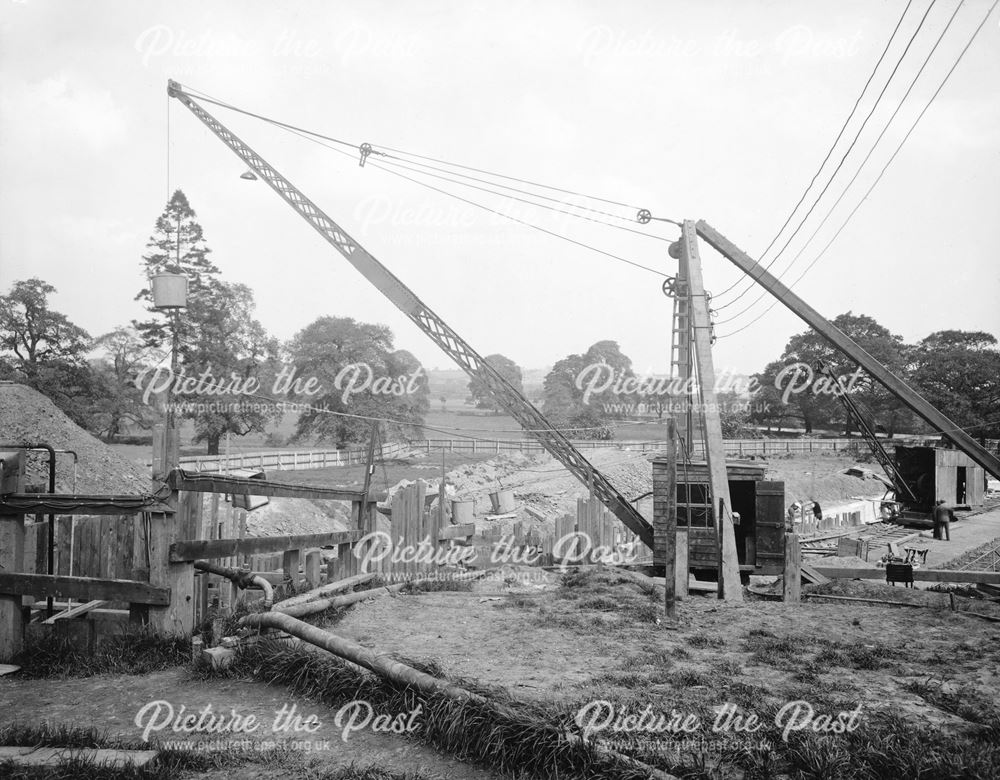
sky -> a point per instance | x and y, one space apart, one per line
712 110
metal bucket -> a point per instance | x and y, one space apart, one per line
170 291
461 512
502 502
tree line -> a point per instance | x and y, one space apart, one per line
103 383
331 369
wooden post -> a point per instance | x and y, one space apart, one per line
11 560
290 566
177 618
793 569
730 587
313 560
681 567
669 538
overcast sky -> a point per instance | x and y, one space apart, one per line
713 110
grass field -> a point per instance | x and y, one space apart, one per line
455 421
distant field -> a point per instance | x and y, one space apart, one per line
455 421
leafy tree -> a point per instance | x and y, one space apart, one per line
32 334
821 409
45 350
355 371
735 415
217 332
508 369
579 392
120 403
959 373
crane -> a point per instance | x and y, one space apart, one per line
866 424
512 401
847 346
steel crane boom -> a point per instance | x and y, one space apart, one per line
842 342
513 402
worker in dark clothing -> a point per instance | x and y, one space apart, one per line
817 511
943 517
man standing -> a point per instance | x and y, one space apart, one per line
943 516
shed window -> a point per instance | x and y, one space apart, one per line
694 507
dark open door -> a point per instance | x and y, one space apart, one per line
770 504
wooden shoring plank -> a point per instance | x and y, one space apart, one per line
792 579
669 538
82 588
198 549
63 538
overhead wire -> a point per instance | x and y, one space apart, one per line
378 150
857 172
882 172
325 141
868 156
843 158
532 225
532 203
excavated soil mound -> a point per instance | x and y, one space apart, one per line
28 417
294 516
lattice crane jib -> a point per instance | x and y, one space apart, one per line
513 402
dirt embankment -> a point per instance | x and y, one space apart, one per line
28 417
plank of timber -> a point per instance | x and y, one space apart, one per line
11 559
697 586
79 609
198 549
812 575
83 588
240 486
53 756
456 531
919 575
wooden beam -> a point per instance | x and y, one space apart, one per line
792 577
456 532
919 575
669 538
60 586
850 348
72 612
730 587
207 549
47 503
11 560
242 486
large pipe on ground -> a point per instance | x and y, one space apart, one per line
379 663
384 665
331 587
243 579
319 605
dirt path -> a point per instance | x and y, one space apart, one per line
112 703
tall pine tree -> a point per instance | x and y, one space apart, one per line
177 246
217 331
